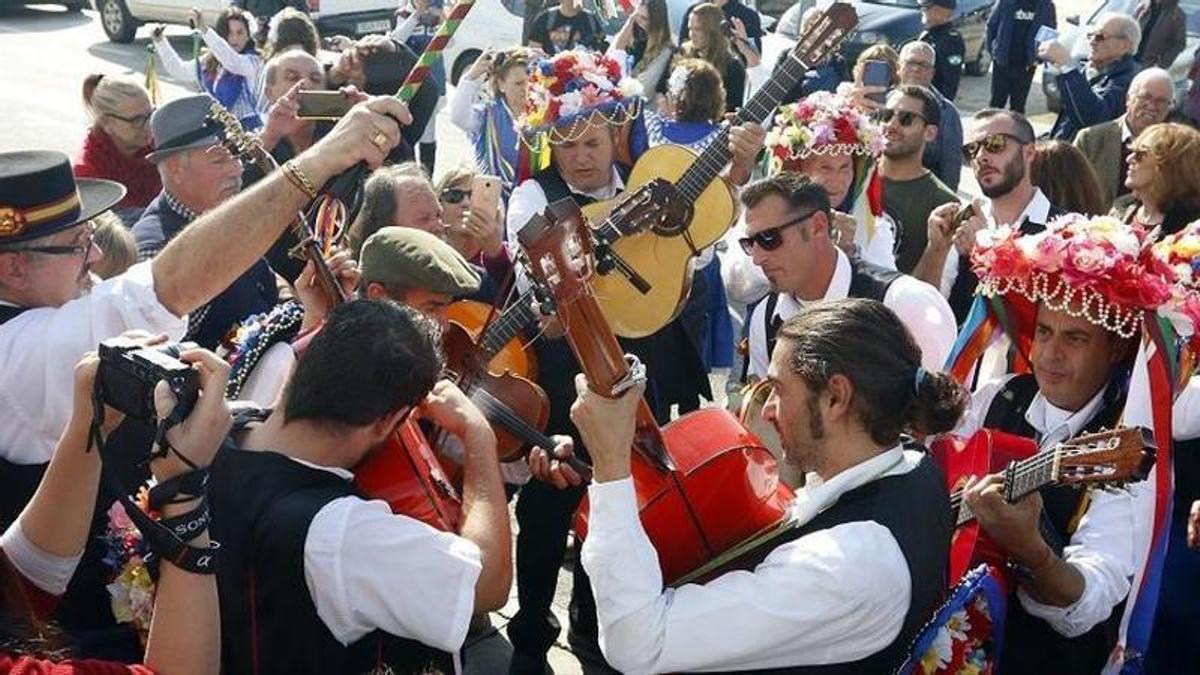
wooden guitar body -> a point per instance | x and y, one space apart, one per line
405 473
662 257
470 316
985 452
723 493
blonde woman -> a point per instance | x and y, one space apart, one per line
119 138
486 103
707 40
645 43
1164 197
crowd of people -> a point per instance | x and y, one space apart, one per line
272 526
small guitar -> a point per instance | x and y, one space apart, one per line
639 304
1102 459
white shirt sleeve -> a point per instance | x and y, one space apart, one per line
949 272
184 71
48 572
801 606
39 350
757 337
461 105
879 249
927 316
404 29
1106 550
367 568
246 65
268 379
527 199
1185 422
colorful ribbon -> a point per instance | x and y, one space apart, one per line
433 50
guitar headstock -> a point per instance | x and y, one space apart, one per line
233 135
559 249
1106 458
826 34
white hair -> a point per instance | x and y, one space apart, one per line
918 46
1141 79
1129 27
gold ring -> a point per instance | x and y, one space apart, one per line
379 139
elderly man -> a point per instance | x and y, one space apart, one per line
1106 145
383 194
46 290
284 77
198 174
1099 96
942 155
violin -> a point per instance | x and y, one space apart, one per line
708 491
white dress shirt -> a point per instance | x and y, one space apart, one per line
48 572
39 350
806 604
1106 548
1036 211
367 568
920 307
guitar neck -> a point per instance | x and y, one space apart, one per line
1020 479
515 318
758 109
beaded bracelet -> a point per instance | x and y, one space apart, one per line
297 178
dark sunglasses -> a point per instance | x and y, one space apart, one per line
1097 36
136 120
992 143
907 117
772 237
454 195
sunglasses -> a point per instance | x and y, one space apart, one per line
136 120
454 195
1097 36
907 117
772 237
992 143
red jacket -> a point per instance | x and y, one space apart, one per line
101 159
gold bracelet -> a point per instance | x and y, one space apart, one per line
297 178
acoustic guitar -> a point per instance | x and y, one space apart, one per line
646 276
1105 459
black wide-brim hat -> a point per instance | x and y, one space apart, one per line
39 195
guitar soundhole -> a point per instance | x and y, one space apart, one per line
674 221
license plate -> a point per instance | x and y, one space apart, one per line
372 26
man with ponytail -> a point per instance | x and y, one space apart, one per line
847 587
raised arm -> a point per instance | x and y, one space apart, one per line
217 248
246 65
184 71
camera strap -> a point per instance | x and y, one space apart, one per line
162 537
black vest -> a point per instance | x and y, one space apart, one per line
912 506
1031 646
262 506
962 293
867 280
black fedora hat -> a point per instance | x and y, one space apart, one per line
40 196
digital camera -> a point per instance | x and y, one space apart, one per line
129 371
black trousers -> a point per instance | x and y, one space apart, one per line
1010 86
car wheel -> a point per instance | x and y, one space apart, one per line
461 64
119 25
980 65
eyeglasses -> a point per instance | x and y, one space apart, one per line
454 195
907 117
992 143
84 247
921 65
135 121
772 237
1098 36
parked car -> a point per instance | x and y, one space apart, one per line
121 18
491 23
896 22
1074 38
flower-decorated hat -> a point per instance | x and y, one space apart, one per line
820 124
568 94
1099 268
577 88
1181 252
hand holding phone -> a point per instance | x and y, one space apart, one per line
877 74
323 105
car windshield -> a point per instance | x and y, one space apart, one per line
1192 9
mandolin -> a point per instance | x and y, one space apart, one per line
1103 459
651 275
707 491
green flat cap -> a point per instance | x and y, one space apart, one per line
416 259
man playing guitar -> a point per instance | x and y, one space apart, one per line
847 381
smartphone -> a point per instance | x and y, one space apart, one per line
1045 34
964 214
877 74
485 194
322 105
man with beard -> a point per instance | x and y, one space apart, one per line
1106 145
788 235
847 381
1000 151
943 155
910 191
198 174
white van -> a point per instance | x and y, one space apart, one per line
121 18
